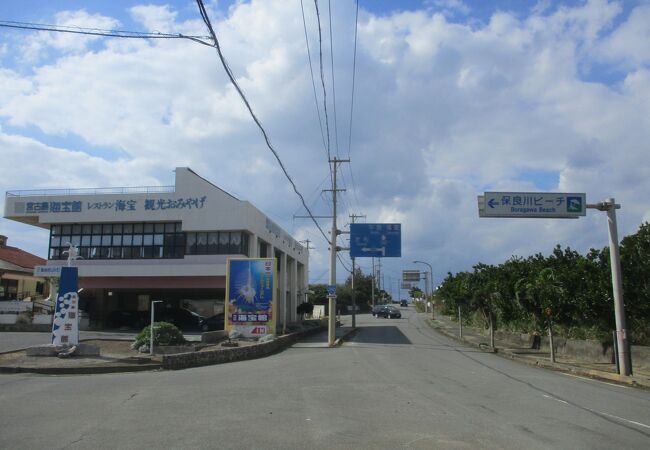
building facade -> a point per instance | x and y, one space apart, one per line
166 243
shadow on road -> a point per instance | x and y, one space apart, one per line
381 335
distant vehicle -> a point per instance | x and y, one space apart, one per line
403 303
214 323
389 312
376 309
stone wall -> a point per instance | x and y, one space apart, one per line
224 355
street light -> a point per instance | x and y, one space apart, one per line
153 306
426 285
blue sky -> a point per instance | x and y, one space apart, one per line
453 98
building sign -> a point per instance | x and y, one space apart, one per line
383 240
65 326
47 271
250 296
532 204
119 205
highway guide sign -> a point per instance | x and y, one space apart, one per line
382 240
532 205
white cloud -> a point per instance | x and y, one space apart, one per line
443 111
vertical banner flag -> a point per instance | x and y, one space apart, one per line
250 296
65 326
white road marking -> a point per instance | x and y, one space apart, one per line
595 411
593 379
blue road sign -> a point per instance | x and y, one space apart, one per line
331 289
382 240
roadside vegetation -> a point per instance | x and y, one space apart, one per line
566 293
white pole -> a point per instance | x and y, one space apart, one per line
331 325
617 287
151 327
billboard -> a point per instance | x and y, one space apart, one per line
250 296
65 325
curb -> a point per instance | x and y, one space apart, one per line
557 367
79 370
345 337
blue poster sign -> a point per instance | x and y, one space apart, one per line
65 325
250 294
382 240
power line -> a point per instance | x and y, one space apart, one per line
322 80
354 72
206 20
336 127
101 32
313 82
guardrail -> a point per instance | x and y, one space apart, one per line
90 191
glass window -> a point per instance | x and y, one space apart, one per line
201 243
169 240
76 229
213 243
93 253
96 241
159 228
54 253
224 242
128 228
127 239
85 240
55 241
179 252
148 239
97 228
137 228
117 239
148 252
190 247
170 227
106 241
107 228
244 244
117 228
137 240
56 230
179 227
103 252
235 243
65 229
86 229
158 239
84 252
116 252
75 240
148 227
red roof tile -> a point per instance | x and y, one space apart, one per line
20 257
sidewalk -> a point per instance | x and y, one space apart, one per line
601 371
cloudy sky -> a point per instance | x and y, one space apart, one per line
452 98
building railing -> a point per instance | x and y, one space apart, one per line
91 191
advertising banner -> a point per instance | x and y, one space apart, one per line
250 296
65 326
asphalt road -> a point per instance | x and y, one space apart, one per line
396 385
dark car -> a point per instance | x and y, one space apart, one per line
183 318
376 309
389 312
403 303
214 323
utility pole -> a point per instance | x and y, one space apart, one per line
331 325
307 242
373 283
353 217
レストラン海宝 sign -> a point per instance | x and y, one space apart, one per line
532 205
382 240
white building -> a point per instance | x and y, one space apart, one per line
160 243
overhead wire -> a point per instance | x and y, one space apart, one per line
206 20
354 72
322 80
102 32
313 81
336 127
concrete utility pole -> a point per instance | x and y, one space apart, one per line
373 282
331 325
353 217
428 284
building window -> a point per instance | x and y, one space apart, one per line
216 243
119 241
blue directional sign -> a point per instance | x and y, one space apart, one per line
380 240
557 205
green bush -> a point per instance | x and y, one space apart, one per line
164 334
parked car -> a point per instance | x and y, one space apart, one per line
214 323
389 312
376 309
403 303
183 318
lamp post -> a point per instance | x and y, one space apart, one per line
153 306
426 287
